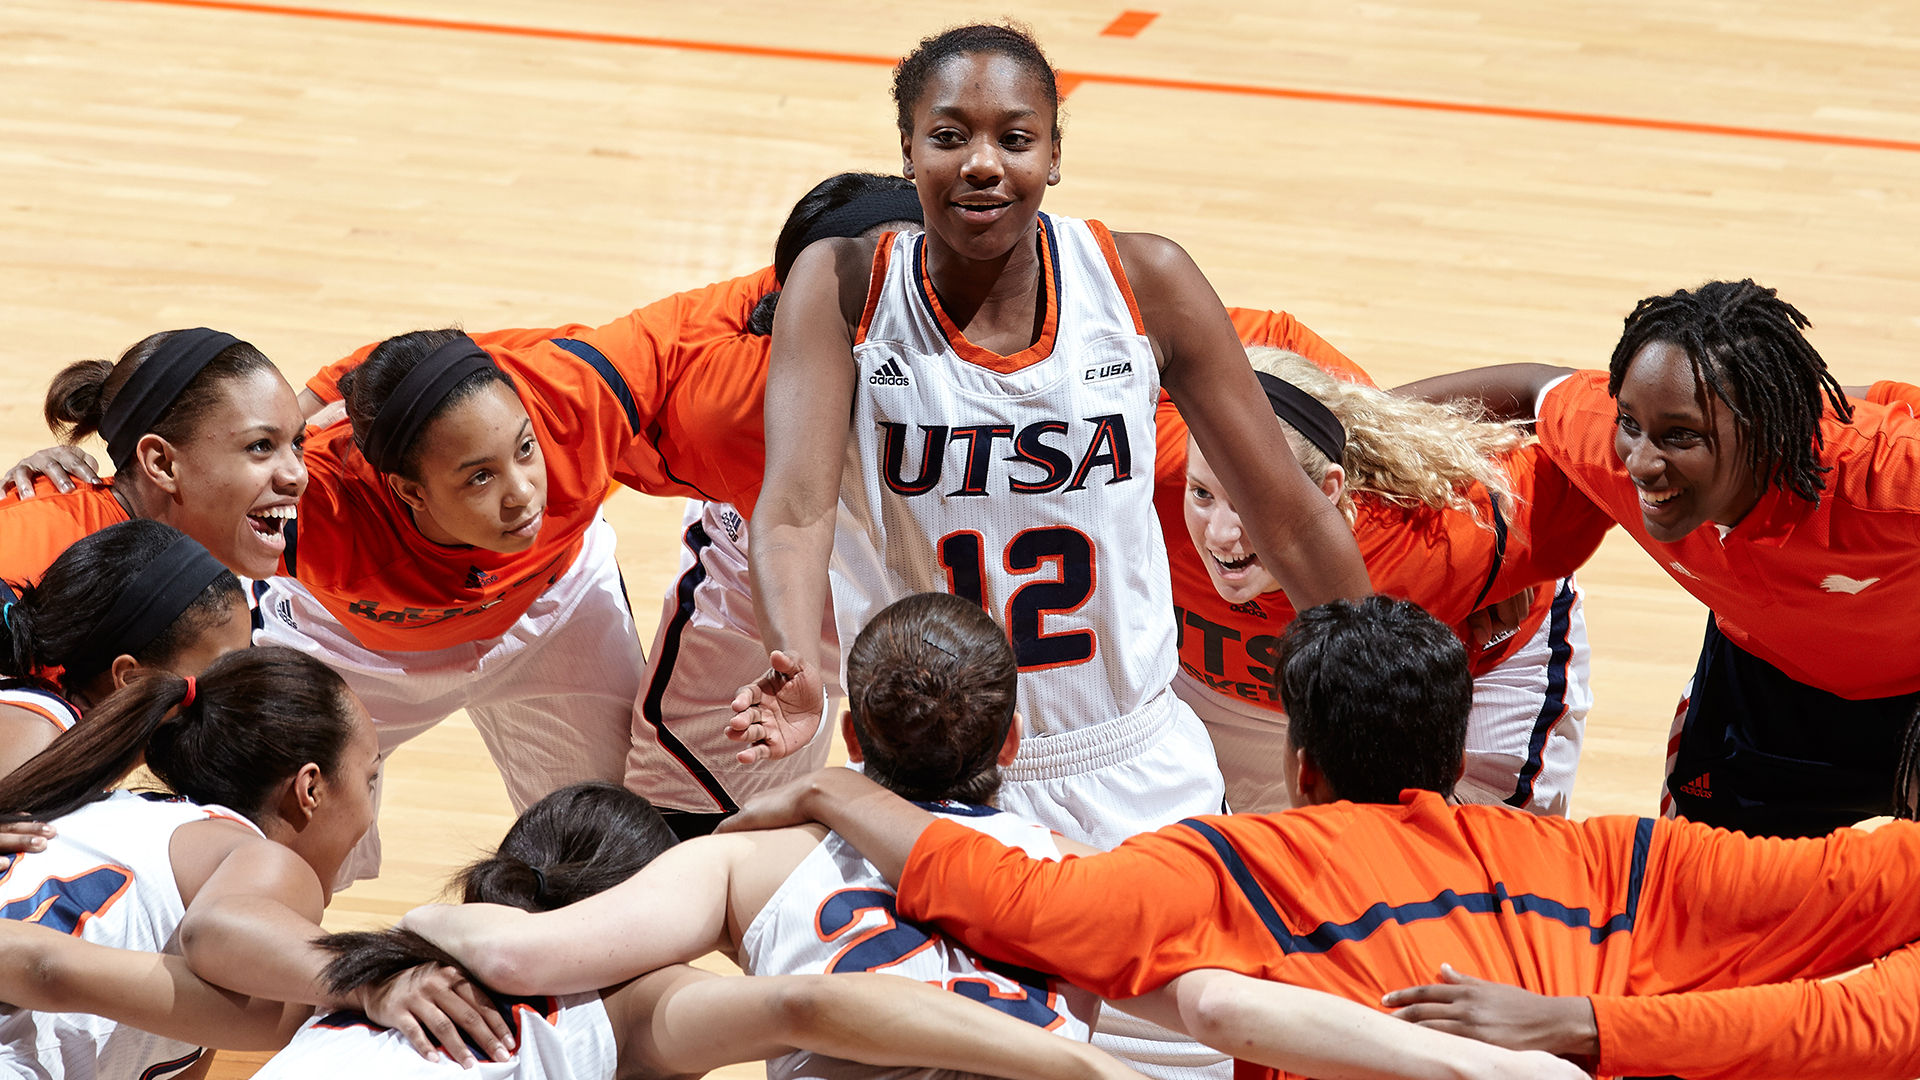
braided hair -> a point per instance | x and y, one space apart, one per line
1745 345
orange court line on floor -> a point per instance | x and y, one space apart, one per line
1076 78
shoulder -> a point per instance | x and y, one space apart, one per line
839 268
1150 257
1876 458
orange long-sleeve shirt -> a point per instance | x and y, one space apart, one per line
1358 900
1816 591
33 532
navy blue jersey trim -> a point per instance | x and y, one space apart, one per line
697 541
615 382
955 809
156 1071
1499 551
258 613
1053 257
1327 935
1554 706
291 530
917 267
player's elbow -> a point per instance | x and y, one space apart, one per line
1217 1016
800 1006
513 968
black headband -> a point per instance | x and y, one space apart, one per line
419 393
864 212
154 600
1307 414
154 385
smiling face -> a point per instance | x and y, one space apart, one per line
1680 445
482 478
233 483
1218 536
981 153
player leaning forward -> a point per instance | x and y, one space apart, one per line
1001 370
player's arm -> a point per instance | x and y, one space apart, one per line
669 913
250 929
882 826
1316 1034
1508 391
692 1021
1300 537
810 388
48 971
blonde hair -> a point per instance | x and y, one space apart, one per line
1400 450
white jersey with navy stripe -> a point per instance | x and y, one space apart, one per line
560 1038
46 704
1022 482
835 913
107 878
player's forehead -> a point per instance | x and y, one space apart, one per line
985 87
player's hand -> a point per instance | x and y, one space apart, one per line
1495 623
779 714
63 465
1499 1014
434 1003
23 838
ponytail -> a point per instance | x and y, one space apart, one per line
83 391
577 842
66 622
256 717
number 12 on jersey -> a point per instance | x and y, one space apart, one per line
1067 552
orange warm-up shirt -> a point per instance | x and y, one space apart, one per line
33 532
1449 562
1817 592
699 408
1359 900
594 395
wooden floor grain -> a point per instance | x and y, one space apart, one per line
313 183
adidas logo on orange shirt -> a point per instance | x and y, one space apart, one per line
1698 787
480 579
889 374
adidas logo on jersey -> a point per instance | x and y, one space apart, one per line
480 579
1108 371
284 609
1699 787
889 374
1251 607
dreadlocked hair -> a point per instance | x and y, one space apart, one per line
1008 39
931 684
1906 778
1399 450
1745 345
577 842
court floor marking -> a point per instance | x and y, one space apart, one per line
1069 79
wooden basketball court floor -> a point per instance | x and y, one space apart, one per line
1430 184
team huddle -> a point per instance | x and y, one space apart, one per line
1211 710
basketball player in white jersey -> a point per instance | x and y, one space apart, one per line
273 760
677 1021
1001 371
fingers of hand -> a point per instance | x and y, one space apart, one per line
461 1002
417 1038
1414 995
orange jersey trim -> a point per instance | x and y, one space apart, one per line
1104 237
41 711
876 281
987 358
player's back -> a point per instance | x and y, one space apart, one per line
835 913
107 878
560 1038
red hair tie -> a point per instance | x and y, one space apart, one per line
188 700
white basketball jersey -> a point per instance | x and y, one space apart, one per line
55 709
835 913
1022 482
560 1038
107 878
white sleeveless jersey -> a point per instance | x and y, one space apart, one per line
1023 482
835 913
107 878
560 1038
50 706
